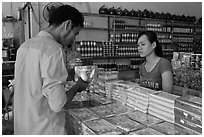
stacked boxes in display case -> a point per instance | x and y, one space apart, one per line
103 81
103 111
138 97
146 131
168 128
119 108
100 127
188 112
162 105
144 118
125 123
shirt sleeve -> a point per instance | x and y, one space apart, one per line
54 76
165 65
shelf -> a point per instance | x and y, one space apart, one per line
112 57
90 28
9 62
126 43
8 75
182 33
138 18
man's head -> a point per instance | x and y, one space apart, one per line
66 21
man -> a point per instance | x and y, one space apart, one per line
40 74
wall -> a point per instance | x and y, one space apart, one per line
186 8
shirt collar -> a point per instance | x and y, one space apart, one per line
46 34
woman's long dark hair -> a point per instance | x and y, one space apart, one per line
152 37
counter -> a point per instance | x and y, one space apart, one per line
98 115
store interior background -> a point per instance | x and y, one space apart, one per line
186 8
21 32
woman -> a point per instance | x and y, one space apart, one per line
156 71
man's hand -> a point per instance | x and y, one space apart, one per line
82 85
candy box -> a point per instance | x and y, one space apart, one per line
188 124
146 131
188 115
100 127
125 123
103 111
164 98
144 118
190 103
171 129
83 114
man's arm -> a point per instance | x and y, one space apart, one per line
78 87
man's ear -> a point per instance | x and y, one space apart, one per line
68 25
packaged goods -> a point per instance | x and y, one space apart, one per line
188 124
146 131
190 103
161 106
118 108
87 73
83 114
188 115
103 111
123 122
137 106
164 97
101 127
171 129
144 118
161 114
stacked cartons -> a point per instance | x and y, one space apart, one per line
144 118
188 112
162 105
103 78
119 108
138 97
76 117
146 131
125 123
168 128
103 111
98 99
100 127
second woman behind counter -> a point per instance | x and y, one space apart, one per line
156 71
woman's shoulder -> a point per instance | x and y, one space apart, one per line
164 60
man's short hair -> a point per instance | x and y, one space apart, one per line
66 12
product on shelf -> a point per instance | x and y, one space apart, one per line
123 122
146 131
162 103
171 129
101 127
83 114
144 118
188 112
103 111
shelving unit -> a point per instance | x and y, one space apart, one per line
122 31
8 51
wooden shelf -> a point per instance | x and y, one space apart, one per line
5 62
8 75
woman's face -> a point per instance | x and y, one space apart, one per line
145 48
